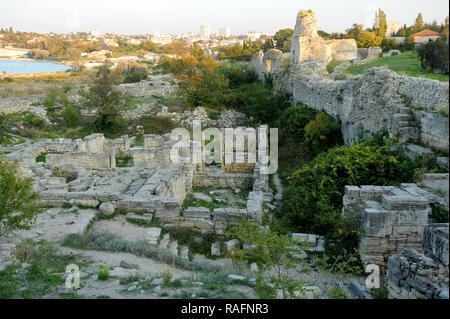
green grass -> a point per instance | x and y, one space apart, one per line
332 65
191 201
126 161
108 242
43 273
103 274
407 63
133 102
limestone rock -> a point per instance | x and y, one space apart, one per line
121 272
107 208
232 278
215 249
232 244
153 235
126 264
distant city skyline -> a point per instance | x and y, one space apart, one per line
180 17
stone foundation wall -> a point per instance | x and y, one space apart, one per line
412 275
217 178
434 129
392 219
11 105
86 160
342 50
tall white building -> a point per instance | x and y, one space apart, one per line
204 30
224 32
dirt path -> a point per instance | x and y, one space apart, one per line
147 267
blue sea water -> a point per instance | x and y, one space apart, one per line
20 66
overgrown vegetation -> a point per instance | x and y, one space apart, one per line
205 82
109 242
434 56
18 202
272 252
304 133
105 97
312 201
38 271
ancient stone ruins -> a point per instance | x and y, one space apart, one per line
154 185
396 233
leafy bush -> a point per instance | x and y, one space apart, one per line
439 214
389 44
238 74
33 120
260 102
205 89
3 126
443 111
322 133
54 97
18 202
434 55
71 116
43 270
157 125
135 73
103 274
293 121
304 133
313 198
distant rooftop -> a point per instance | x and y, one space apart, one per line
426 33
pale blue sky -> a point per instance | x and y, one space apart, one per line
182 16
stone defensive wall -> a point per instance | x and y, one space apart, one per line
407 107
380 99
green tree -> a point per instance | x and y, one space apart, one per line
434 55
283 38
273 253
389 44
197 52
105 97
18 202
418 24
268 44
355 31
135 72
73 54
380 25
321 133
70 115
410 43
368 39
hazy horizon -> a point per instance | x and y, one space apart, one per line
179 17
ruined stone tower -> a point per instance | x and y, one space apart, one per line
307 45
306 42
